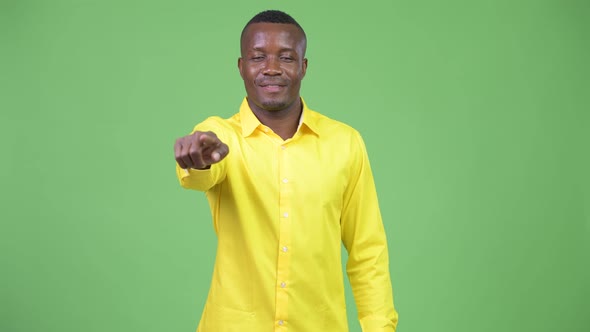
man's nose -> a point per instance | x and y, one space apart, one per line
273 67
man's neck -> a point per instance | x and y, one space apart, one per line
284 122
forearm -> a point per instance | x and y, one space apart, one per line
369 276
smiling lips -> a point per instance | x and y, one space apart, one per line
272 87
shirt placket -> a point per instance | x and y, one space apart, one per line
284 244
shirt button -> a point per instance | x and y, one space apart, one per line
285 180
284 249
283 147
285 214
283 285
281 322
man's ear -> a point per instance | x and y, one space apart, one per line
303 68
240 67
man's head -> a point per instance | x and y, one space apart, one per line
272 62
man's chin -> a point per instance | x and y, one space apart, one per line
274 106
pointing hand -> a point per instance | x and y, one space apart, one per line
199 150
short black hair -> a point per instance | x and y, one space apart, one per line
273 16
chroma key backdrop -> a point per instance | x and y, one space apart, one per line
475 115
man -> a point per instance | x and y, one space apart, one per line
286 187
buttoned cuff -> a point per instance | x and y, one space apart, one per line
377 324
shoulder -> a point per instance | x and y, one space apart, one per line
223 128
332 129
325 124
213 123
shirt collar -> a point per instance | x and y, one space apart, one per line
250 122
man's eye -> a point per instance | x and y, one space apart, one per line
258 58
287 58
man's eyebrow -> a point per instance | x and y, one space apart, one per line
262 49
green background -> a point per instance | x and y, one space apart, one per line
475 116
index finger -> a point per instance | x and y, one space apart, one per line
207 140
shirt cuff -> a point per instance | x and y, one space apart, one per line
198 179
377 324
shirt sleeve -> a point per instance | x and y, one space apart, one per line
206 179
363 235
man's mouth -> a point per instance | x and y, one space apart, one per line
272 87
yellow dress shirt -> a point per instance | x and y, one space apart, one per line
281 210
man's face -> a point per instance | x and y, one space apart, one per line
272 64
